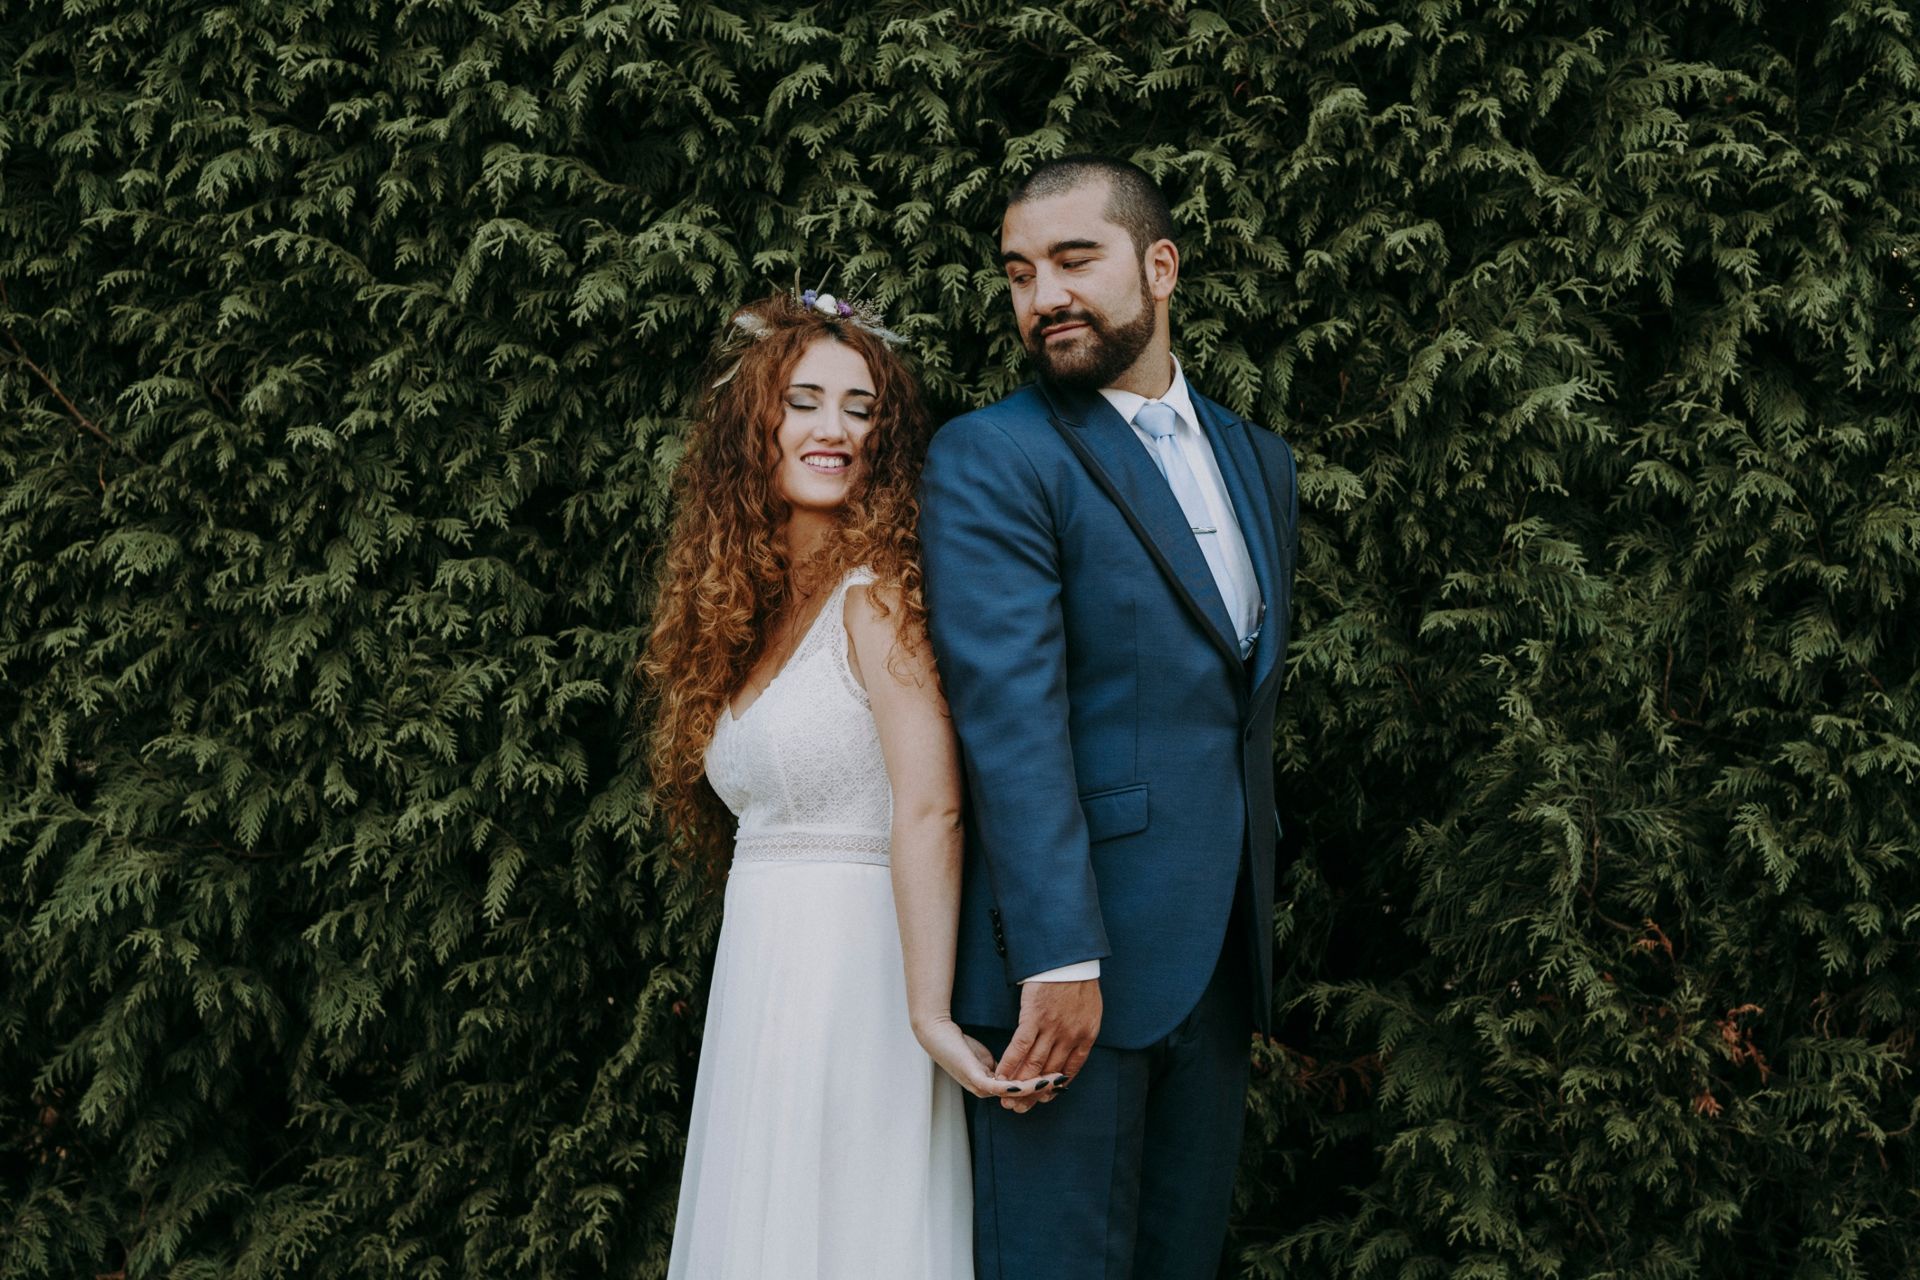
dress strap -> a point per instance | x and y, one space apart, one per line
837 643
859 577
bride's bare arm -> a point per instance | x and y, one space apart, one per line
923 768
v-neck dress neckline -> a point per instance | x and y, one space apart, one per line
806 638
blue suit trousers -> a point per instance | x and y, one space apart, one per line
1128 1175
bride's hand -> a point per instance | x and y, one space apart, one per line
969 1062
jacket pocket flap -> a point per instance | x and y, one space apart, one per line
1119 811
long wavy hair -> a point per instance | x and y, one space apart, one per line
726 572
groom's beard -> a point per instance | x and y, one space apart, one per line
1102 353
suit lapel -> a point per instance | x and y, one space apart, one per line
1253 507
1121 465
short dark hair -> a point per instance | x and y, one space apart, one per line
1134 200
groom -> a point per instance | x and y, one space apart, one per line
1109 562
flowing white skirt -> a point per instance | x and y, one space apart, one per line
824 1143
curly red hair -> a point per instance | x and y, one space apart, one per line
725 573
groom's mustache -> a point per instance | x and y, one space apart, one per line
1061 317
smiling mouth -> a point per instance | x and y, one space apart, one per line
827 463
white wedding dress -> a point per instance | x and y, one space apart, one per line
824 1143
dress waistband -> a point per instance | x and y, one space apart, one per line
812 846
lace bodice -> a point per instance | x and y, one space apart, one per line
802 769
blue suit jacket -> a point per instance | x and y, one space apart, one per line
1118 750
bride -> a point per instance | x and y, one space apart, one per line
790 678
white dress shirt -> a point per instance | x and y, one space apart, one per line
1192 443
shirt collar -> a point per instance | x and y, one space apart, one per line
1178 398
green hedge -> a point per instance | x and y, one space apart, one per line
341 375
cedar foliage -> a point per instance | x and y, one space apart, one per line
343 359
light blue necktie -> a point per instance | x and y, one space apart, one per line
1158 419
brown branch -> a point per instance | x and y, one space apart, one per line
20 353
1593 847
1401 669
1666 696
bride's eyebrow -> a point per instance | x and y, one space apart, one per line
814 386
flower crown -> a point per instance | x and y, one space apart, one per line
864 314
748 327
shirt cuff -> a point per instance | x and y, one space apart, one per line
1080 972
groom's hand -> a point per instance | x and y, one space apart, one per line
1058 1023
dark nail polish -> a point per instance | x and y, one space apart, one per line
1013 1088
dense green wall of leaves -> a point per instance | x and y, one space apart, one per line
342 355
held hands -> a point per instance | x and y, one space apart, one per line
968 1061
1058 1023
